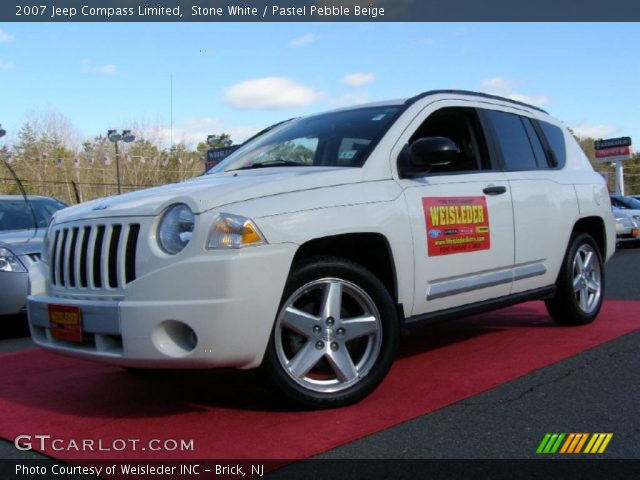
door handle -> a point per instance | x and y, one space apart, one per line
495 190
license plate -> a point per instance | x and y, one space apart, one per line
65 322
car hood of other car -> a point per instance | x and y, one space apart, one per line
22 242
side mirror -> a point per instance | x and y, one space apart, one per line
424 154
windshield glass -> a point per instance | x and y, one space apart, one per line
16 215
338 139
630 202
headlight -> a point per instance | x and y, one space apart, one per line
176 228
233 231
9 262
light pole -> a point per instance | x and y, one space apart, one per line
115 137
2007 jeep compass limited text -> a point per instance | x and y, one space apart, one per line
306 250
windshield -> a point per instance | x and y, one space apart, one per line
338 139
16 215
627 202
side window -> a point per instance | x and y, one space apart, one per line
513 141
460 125
555 139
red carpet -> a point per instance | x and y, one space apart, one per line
229 415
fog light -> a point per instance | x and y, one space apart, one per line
174 338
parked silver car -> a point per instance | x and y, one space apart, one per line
627 228
629 204
22 228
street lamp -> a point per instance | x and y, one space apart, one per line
115 137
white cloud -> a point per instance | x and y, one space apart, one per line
355 98
5 65
426 41
497 84
108 69
5 37
193 131
271 93
584 130
358 79
303 40
505 88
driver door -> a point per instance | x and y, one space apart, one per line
461 216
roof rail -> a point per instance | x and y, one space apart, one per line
412 100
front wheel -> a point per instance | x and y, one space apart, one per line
335 335
580 285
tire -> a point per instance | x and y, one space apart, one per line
580 284
335 335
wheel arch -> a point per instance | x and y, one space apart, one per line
370 249
595 227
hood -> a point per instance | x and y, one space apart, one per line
22 242
211 191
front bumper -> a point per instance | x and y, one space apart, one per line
213 310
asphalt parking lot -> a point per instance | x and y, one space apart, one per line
595 391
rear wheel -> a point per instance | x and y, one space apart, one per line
335 335
580 283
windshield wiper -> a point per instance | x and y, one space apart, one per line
280 162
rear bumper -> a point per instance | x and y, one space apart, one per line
157 325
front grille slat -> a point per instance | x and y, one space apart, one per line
89 257
104 257
71 255
130 255
114 269
97 257
54 257
93 235
82 257
62 255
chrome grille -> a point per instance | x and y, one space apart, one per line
94 256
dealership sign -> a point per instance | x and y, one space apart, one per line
613 149
216 155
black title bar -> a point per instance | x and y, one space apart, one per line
318 10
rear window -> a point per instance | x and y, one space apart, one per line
555 139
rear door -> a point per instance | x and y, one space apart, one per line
532 154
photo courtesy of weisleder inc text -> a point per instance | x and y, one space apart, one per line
319 239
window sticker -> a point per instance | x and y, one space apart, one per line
347 154
456 225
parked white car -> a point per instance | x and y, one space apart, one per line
306 250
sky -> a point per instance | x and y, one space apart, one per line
238 78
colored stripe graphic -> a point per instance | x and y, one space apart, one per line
598 442
574 443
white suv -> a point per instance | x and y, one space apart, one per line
305 251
